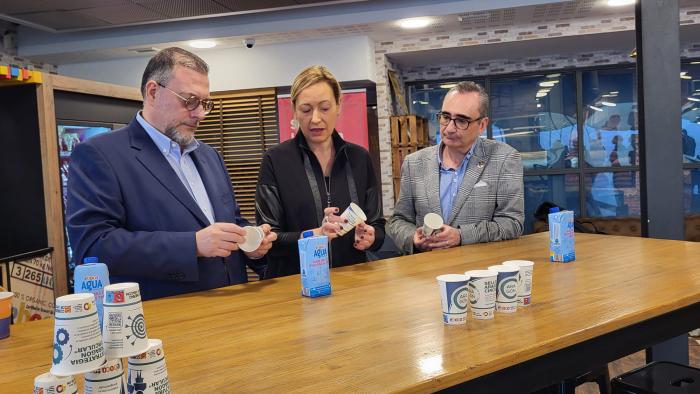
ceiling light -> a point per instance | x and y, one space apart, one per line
615 92
595 108
693 99
618 3
541 94
448 85
686 77
202 44
608 104
539 105
553 75
414 23
694 62
547 84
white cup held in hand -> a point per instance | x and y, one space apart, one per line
253 238
432 222
354 215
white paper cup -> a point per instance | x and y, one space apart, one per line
482 293
147 371
506 288
524 280
123 325
77 343
107 379
51 384
253 238
354 216
431 224
454 298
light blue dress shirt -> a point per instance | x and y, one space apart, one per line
451 180
182 164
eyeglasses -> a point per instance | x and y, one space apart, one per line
461 122
192 102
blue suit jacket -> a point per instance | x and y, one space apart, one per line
127 206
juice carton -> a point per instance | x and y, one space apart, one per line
561 235
313 261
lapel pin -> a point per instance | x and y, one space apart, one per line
481 164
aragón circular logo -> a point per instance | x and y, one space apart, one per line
508 288
460 298
474 294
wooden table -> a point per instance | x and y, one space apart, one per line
381 330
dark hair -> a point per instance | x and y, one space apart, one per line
161 65
473 87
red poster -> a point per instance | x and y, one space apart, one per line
351 124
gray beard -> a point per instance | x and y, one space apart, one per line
179 138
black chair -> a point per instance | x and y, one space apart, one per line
659 377
600 375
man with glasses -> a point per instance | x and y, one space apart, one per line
151 201
474 184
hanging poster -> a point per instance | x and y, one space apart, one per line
351 123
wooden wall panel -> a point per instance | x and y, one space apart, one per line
242 126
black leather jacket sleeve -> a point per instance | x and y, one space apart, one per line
268 208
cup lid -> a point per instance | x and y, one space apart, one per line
48 379
519 263
474 274
433 220
154 351
122 293
253 238
504 268
452 278
358 211
6 294
77 298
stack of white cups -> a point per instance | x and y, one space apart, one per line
500 288
80 347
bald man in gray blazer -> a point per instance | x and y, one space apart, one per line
474 184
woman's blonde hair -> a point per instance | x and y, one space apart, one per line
311 76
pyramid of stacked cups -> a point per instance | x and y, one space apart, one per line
500 288
93 344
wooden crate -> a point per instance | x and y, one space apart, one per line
409 133
409 130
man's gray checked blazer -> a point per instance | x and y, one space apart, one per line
488 207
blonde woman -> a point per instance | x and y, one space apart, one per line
307 181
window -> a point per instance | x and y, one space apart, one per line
612 194
690 112
562 190
536 114
610 129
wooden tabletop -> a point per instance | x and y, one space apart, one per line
381 330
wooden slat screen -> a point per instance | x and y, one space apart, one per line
242 126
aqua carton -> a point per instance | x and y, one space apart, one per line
313 261
561 236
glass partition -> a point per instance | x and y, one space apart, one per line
536 114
